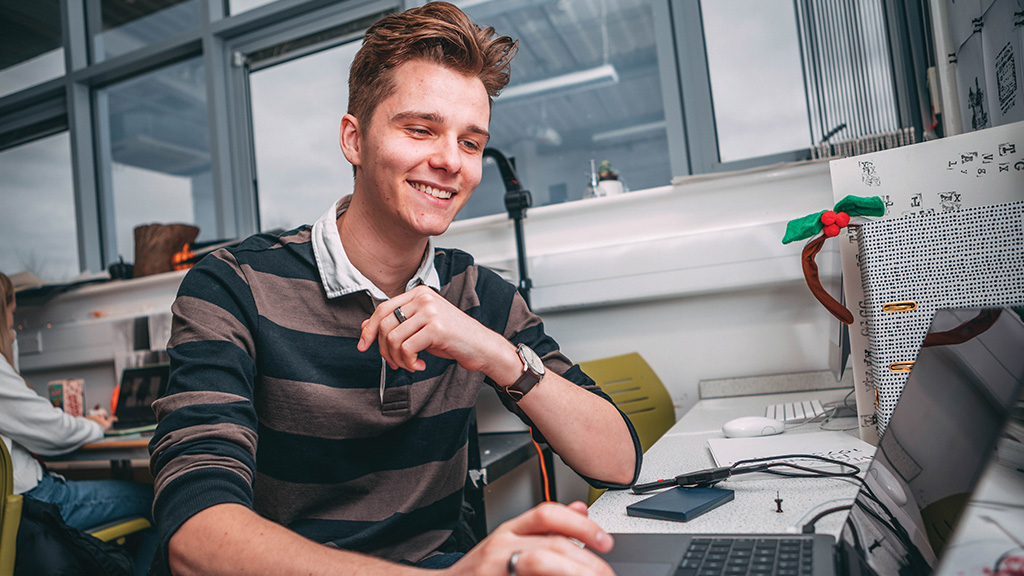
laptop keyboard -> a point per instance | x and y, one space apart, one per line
747 557
794 410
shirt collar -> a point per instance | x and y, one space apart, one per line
337 273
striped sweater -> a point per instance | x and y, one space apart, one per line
270 405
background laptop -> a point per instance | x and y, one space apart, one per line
942 436
139 388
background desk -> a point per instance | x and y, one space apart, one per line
684 448
118 452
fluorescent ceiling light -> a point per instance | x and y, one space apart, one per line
582 79
629 131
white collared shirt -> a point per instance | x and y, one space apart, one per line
337 273
340 277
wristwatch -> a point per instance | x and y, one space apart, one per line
533 371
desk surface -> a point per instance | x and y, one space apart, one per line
684 448
131 447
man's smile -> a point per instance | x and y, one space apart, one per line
442 194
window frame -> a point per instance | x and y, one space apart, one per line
256 36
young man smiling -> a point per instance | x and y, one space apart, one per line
317 415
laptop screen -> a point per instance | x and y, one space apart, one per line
140 387
941 437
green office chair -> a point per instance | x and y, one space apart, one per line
119 530
638 392
10 513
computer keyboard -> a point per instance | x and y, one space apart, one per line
747 556
793 411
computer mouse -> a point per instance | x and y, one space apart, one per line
748 426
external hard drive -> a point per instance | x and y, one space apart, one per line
680 504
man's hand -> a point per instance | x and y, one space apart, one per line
434 325
541 538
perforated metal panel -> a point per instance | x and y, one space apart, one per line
914 265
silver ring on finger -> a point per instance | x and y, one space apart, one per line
512 561
400 315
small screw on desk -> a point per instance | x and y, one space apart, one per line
778 503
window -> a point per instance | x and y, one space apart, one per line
239 6
155 152
585 86
757 84
37 220
128 25
655 87
31 49
296 113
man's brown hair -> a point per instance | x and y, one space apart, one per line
438 32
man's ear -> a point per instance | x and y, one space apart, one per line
350 139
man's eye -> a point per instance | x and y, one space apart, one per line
471 145
418 131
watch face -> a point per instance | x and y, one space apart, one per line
532 359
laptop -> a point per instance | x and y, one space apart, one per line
953 410
139 388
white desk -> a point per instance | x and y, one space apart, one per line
990 528
684 448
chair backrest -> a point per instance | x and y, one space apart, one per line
10 512
638 392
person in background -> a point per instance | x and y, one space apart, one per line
30 424
322 381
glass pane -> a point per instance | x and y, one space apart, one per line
37 210
31 47
128 24
239 6
585 86
155 152
757 83
296 113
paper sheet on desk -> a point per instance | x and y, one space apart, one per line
829 444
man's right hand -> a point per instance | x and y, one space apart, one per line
540 537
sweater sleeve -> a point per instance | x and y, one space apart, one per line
203 452
522 326
31 421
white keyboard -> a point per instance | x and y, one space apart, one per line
794 410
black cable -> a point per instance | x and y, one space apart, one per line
712 476
809 527
852 471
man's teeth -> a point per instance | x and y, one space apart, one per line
442 194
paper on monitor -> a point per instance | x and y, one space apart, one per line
974 169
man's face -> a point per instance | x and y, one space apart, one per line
421 156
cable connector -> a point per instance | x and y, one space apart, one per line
700 478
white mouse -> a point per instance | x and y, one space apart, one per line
748 426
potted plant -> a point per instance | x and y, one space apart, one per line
608 180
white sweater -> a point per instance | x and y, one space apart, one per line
28 422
